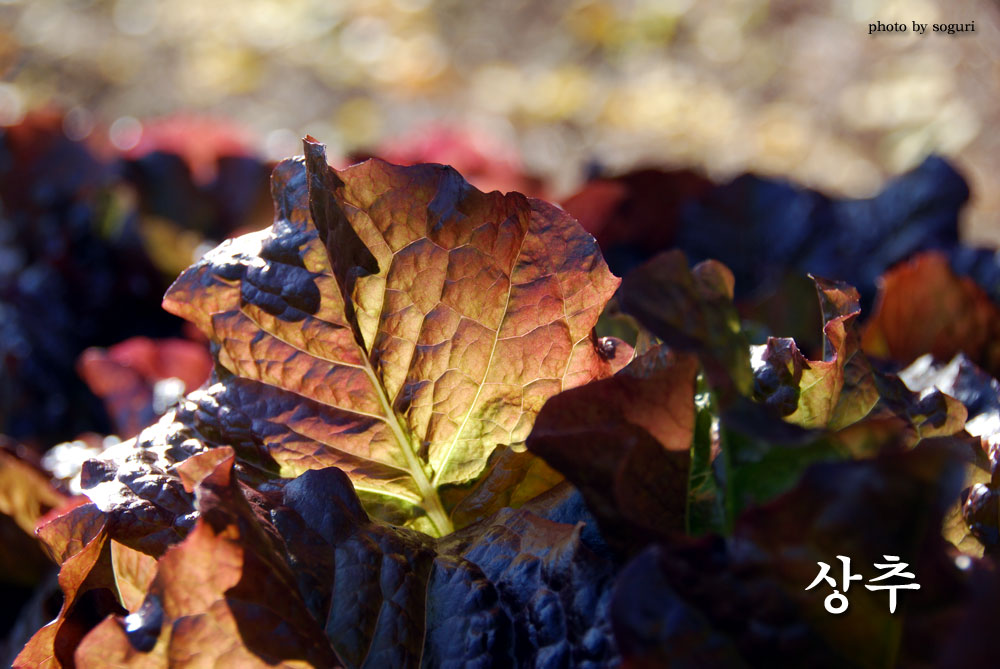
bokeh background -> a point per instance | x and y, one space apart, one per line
778 87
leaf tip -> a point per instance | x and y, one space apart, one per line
315 155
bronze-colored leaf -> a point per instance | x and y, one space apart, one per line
134 571
923 307
625 443
85 572
223 595
397 323
26 495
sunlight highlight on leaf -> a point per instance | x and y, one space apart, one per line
398 323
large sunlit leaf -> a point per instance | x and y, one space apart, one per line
397 323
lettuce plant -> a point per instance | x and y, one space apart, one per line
415 451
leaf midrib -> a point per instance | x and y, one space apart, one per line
489 363
429 498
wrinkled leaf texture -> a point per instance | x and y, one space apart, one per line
300 575
222 596
397 323
309 323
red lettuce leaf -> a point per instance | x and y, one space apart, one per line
962 379
224 594
765 228
635 214
625 443
510 480
80 540
263 575
26 498
126 377
761 456
98 576
844 388
923 307
515 588
141 495
973 524
26 495
397 323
